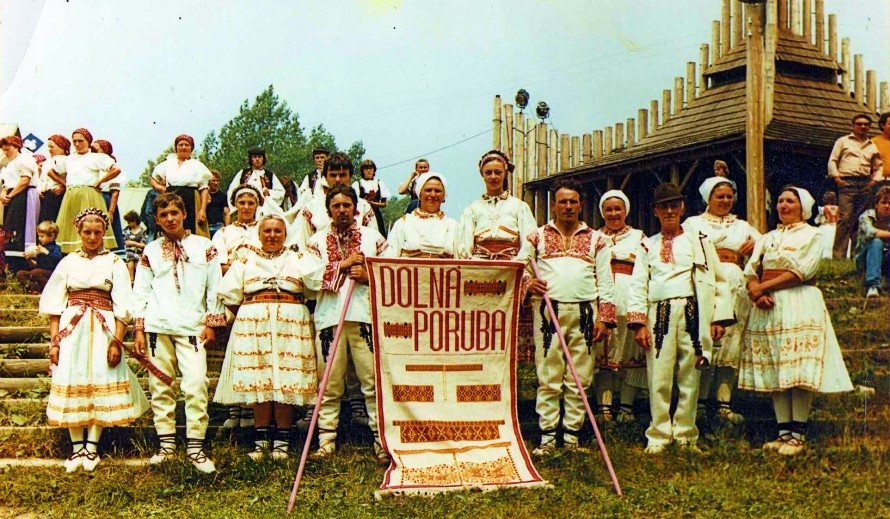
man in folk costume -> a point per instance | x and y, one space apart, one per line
259 177
678 305
175 311
313 216
336 258
576 274
314 180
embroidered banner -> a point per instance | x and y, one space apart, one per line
445 332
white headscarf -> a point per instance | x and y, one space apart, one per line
615 193
424 177
710 183
806 202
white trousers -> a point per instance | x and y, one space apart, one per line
169 353
555 380
677 357
352 345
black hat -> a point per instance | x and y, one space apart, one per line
256 150
320 149
667 192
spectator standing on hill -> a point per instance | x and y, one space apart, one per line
218 206
855 166
874 237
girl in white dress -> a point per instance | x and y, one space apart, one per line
790 350
270 360
86 300
734 240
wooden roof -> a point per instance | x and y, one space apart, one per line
809 111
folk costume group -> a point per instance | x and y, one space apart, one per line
701 303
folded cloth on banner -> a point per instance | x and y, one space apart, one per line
445 333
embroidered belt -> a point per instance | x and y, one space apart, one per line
496 249
98 299
273 296
770 274
101 300
730 256
421 254
622 267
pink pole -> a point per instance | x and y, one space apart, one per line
321 388
571 364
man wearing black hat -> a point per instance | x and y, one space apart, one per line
314 181
259 177
679 303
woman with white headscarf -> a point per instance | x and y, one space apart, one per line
425 232
734 240
623 362
790 350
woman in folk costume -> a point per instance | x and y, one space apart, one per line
86 172
734 239
677 305
270 361
373 190
111 191
234 242
790 350
829 212
494 227
86 300
53 183
624 362
189 178
20 198
425 232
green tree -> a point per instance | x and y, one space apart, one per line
395 208
142 181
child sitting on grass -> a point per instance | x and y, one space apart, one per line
134 241
42 258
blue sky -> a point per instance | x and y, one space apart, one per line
405 77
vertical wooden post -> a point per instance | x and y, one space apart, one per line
807 15
528 195
754 127
858 79
820 25
675 173
665 105
832 36
885 97
589 209
642 123
795 17
586 148
871 91
519 156
715 41
737 17
541 150
783 14
607 141
619 136
725 27
845 63
541 209
576 151
553 153
678 96
508 147
771 39
565 153
631 132
597 145
702 79
690 82
496 124
653 116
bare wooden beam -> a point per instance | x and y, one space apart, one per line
702 79
871 91
807 14
858 79
625 180
832 36
576 151
715 41
666 105
642 123
607 142
755 124
541 150
688 175
541 212
690 82
845 63
885 97
519 155
678 96
783 14
565 153
820 25
653 116
619 136
795 17
631 128
496 124
675 174
553 153
508 145
597 145
737 17
587 148
725 26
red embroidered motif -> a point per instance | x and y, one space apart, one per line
636 318
143 261
215 320
479 393
339 245
412 393
211 254
607 313
422 431
403 330
443 367
581 243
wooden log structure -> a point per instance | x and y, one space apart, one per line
576 151
871 91
885 97
653 116
738 16
678 96
619 136
519 157
565 153
703 79
665 105
819 33
631 132
598 145
642 123
586 148
845 63
496 124
553 153
858 79
690 82
832 36
715 41
607 141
